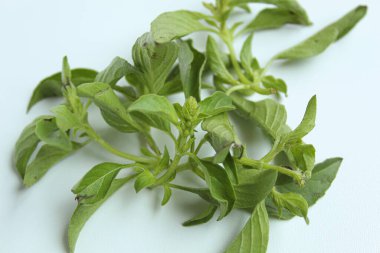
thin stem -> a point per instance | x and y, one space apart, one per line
277 148
236 88
170 172
234 60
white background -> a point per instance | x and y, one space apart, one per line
34 36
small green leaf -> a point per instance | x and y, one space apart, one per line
221 135
102 175
323 175
273 18
46 157
220 186
164 162
153 64
254 186
167 195
66 119
48 132
117 69
246 57
215 104
216 63
308 122
66 72
155 111
273 83
143 180
319 42
191 65
52 85
303 156
293 202
176 24
255 235
231 168
201 218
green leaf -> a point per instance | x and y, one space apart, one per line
167 195
319 42
201 218
221 135
254 186
303 156
176 24
143 180
66 72
101 175
117 69
246 57
48 132
191 65
308 122
323 175
66 119
52 85
255 235
273 18
26 145
155 111
46 157
153 63
231 168
293 202
216 63
269 114
220 186
274 83
83 212
113 110
291 5
215 104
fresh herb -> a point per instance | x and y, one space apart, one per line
163 64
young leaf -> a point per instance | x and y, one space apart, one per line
176 24
323 175
103 175
231 168
155 111
254 186
216 63
65 119
52 85
273 18
303 156
319 42
221 135
246 57
293 202
46 157
143 180
83 212
201 218
308 122
115 71
215 104
220 186
191 65
48 132
255 235
167 195
274 83
153 63
25 145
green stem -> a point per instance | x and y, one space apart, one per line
296 175
93 135
277 148
170 172
234 60
236 88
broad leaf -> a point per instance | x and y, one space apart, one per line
254 186
155 111
293 202
176 24
273 18
220 186
255 235
48 132
202 218
52 85
221 135
117 69
153 63
319 42
101 175
191 65
46 157
215 104
323 175
216 63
